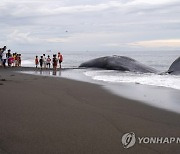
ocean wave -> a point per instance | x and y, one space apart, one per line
150 79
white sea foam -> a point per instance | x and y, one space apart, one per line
169 81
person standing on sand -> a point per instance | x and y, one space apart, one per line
4 59
9 57
9 53
44 60
10 60
41 62
36 61
15 59
1 51
19 62
60 58
13 63
48 61
3 56
54 62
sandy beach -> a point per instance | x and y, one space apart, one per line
48 115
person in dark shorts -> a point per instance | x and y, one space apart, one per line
36 61
60 58
54 62
19 59
48 61
41 62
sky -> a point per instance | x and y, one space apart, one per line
85 25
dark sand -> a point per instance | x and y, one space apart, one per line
45 115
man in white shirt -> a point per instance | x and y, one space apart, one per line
4 58
44 60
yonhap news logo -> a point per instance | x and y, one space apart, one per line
130 139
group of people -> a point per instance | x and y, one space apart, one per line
45 62
12 59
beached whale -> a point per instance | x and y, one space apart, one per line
175 67
121 63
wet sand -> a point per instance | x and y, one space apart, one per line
40 114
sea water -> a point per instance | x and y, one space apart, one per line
160 60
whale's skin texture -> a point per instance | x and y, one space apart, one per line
174 69
120 63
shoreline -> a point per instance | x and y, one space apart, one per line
147 94
58 115
150 94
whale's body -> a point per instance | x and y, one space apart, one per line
121 63
175 67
